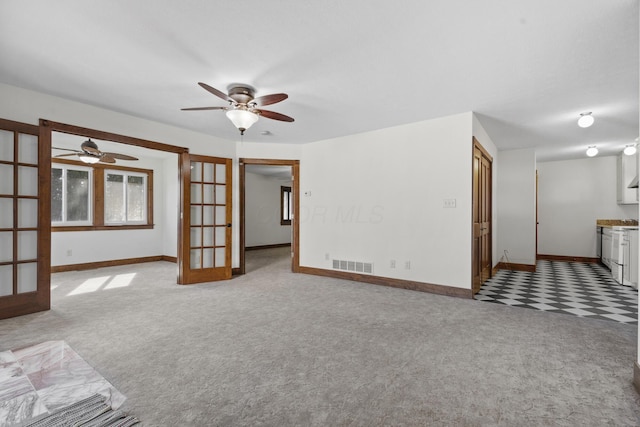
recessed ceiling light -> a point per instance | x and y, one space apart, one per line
592 151
630 149
585 120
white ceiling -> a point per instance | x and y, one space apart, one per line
527 68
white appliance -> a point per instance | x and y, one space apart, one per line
617 255
624 255
632 270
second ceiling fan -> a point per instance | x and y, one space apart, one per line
89 153
243 106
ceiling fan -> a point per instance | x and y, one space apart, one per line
242 109
89 153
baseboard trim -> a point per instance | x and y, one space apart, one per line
386 281
567 258
636 376
256 248
515 267
110 263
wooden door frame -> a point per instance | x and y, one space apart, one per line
49 126
295 238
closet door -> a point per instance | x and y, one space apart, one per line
25 220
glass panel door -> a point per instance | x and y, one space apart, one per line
207 224
24 222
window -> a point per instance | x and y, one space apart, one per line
71 195
286 213
100 197
125 198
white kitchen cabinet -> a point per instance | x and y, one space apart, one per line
627 170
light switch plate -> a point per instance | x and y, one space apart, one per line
449 203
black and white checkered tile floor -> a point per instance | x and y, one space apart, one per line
580 289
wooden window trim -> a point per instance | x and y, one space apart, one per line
283 190
98 198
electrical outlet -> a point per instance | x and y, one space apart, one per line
392 264
307 193
69 252
407 265
449 203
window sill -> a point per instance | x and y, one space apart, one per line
102 227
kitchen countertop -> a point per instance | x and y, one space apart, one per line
617 223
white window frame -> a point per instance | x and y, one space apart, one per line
65 222
125 174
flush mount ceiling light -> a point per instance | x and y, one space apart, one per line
585 120
630 149
592 151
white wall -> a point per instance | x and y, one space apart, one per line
378 196
572 195
516 194
262 211
105 245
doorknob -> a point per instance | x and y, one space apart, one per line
229 225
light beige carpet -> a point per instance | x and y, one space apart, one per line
277 349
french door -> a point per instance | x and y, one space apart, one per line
25 219
206 224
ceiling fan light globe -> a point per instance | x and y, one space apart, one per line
242 119
86 158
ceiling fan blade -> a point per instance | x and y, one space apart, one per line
91 150
105 158
119 156
65 149
216 92
274 116
69 154
204 108
270 99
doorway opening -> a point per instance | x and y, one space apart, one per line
271 223
203 197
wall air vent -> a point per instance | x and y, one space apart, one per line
356 266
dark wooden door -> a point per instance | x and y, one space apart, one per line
482 227
25 220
